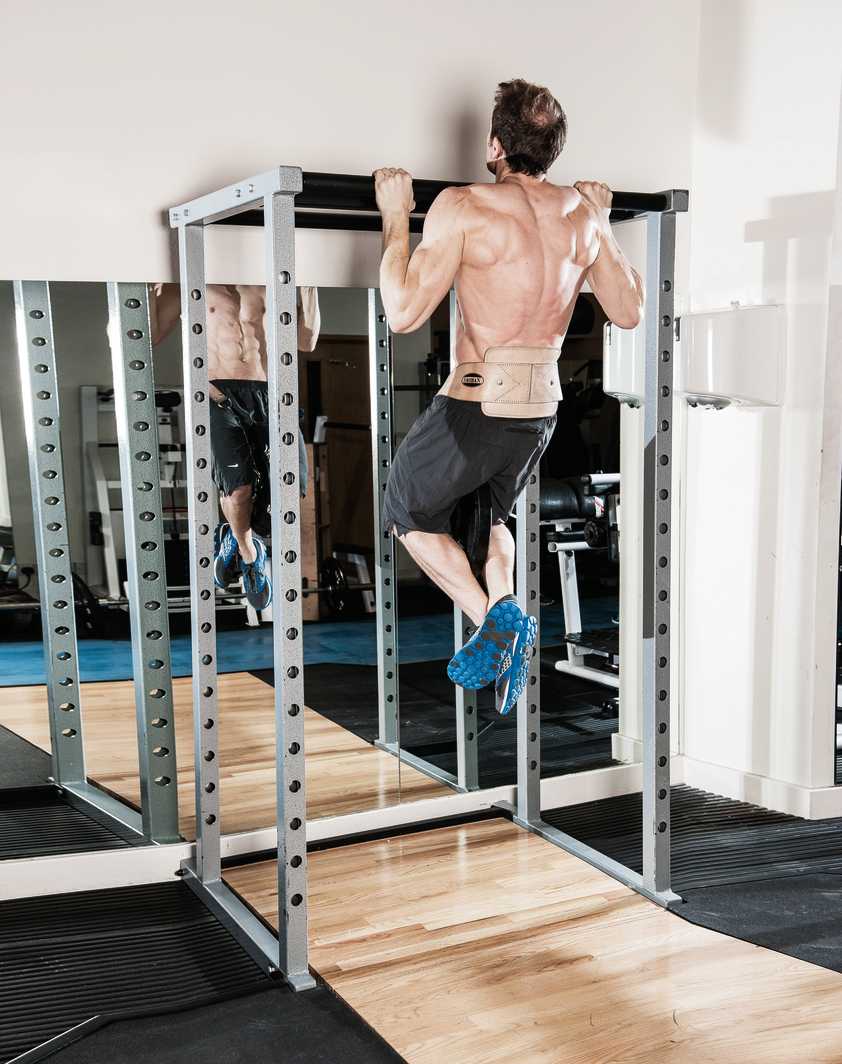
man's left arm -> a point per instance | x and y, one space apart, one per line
309 319
412 286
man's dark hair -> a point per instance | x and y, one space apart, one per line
530 124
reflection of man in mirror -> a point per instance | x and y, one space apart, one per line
239 419
518 251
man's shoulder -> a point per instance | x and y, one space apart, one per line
569 198
454 196
450 209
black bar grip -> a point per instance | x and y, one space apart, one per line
355 192
338 195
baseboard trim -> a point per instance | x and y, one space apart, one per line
812 803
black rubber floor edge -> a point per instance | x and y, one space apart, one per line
800 915
22 764
715 840
69 958
768 878
267 1027
37 822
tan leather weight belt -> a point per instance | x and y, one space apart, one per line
510 382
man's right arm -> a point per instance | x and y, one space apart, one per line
164 310
613 280
412 286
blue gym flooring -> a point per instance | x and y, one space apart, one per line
426 638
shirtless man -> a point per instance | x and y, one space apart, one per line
518 252
239 426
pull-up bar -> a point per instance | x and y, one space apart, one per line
346 201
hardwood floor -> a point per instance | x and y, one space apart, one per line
482 944
344 773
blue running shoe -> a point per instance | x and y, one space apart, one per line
226 560
256 583
480 659
514 668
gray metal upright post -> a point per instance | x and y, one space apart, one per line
467 730
137 435
654 883
657 530
273 192
528 569
287 636
380 380
202 515
39 396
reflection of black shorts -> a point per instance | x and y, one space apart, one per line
451 450
239 431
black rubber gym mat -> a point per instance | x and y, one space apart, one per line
799 915
715 840
36 822
269 1027
68 958
21 763
578 717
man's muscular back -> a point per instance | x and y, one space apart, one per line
526 250
518 252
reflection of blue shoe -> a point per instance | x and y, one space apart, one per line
256 583
226 562
480 659
514 668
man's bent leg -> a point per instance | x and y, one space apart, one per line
447 565
237 509
500 564
238 539
490 650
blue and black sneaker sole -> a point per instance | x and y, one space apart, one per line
478 662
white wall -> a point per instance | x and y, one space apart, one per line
116 112
762 500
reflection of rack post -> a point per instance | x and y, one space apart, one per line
42 420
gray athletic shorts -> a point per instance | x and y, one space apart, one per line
450 451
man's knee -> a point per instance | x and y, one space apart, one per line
240 496
501 542
411 538
419 545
